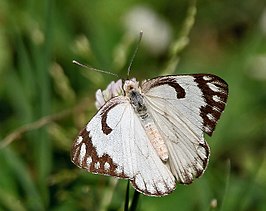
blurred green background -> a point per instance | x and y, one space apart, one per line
45 99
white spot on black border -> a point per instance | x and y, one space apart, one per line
82 153
106 166
97 165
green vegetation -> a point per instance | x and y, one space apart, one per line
45 99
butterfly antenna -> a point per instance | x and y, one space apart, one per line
135 52
94 69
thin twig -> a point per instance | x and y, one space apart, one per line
17 133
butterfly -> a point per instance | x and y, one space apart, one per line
153 133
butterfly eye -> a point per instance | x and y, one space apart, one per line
129 86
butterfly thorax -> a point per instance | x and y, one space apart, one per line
136 98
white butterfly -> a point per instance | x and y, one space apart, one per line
153 133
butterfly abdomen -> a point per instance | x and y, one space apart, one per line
138 103
156 140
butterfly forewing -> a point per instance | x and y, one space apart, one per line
90 149
178 105
202 97
114 143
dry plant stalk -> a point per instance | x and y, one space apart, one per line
17 133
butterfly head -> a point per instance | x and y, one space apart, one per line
131 85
